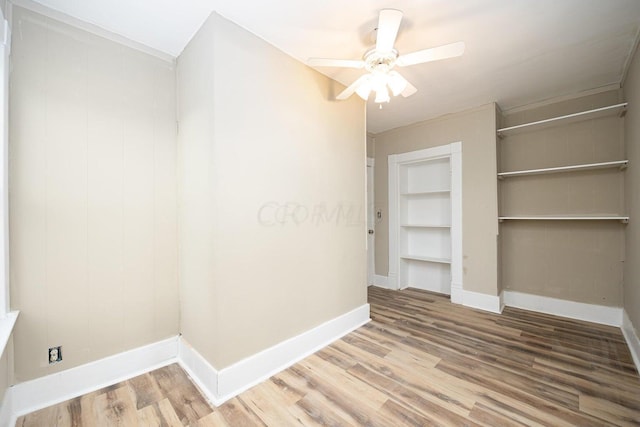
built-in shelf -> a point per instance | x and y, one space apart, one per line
623 219
622 164
426 259
617 109
425 226
424 193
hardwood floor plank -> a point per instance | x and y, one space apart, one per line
214 419
363 413
146 390
403 416
487 416
148 417
274 407
323 412
189 404
168 414
616 414
236 413
116 408
409 398
620 392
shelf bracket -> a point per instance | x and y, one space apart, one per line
625 221
623 112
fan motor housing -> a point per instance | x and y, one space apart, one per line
380 61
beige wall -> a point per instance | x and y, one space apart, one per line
578 261
631 294
93 216
476 129
258 132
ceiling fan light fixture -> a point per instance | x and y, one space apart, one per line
382 95
365 87
396 83
380 60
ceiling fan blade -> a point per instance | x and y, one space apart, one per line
409 90
353 87
399 85
434 54
326 62
388 25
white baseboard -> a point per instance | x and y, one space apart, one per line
456 293
381 281
574 310
492 303
222 385
201 372
7 417
36 394
631 336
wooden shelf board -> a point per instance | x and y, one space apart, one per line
425 226
569 118
424 193
591 166
426 259
624 219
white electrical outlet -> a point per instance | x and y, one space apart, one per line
55 354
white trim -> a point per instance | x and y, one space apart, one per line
631 336
381 281
491 303
456 214
233 380
393 172
7 417
49 390
91 28
6 329
371 161
569 97
5 48
456 293
574 310
201 372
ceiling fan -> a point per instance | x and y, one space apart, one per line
380 60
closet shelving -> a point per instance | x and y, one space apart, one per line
426 258
621 164
616 109
623 219
425 241
611 110
425 213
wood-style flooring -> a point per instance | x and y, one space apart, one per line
421 361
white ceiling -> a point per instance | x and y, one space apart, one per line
517 51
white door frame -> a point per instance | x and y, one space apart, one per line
371 222
454 152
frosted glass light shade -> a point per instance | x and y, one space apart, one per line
382 95
396 83
365 88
